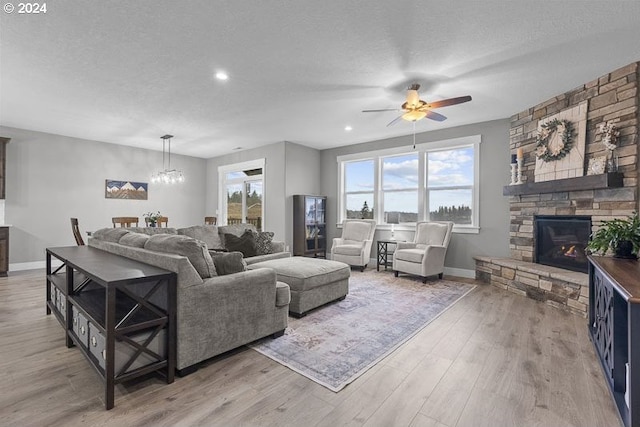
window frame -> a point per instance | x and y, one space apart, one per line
422 149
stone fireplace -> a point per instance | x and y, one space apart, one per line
612 97
561 241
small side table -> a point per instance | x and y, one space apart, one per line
384 253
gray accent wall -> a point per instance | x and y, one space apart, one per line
289 169
274 191
51 178
493 238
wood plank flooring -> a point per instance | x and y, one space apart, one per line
493 359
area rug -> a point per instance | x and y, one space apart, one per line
337 343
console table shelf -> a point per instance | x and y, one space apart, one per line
118 312
588 182
614 329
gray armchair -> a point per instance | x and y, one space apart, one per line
425 255
354 247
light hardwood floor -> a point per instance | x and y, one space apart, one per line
493 359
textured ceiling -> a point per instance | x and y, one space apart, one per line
127 72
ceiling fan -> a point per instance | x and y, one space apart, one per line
416 109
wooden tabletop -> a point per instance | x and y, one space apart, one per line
105 267
624 273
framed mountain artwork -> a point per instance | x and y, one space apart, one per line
114 189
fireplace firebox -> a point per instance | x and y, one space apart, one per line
560 241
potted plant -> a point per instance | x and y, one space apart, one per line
620 235
152 218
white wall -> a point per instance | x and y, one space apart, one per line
51 178
493 238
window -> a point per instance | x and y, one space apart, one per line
435 182
358 185
450 178
400 189
241 193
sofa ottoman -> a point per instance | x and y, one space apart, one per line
313 282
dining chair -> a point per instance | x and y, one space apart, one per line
76 232
125 221
161 220
210 220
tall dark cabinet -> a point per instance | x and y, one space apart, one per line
309 226
614 327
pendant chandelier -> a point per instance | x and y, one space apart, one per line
167 175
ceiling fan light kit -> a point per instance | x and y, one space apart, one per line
414 115
416 109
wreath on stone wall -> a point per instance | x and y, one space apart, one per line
549 150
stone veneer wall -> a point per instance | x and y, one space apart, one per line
613 96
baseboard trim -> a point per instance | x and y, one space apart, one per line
449 271
460 272
34 265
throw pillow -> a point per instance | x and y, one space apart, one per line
263 242
235 229
246 243
136 240
193 249
228 262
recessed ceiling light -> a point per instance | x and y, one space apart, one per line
221 75
348 128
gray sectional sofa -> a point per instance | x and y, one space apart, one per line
214 313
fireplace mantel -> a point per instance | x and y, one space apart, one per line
588 182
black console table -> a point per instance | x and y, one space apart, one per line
120 313
614 328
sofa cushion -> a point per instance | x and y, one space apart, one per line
136 240
351 250
356 230
153 230
283 294
246 243
260 258
431 233
228 262
186 246
410 255
110 234
206 233
263 242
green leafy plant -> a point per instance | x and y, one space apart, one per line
153 217
620 235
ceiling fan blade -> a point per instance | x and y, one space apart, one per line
435 116
448 102
394 121
377 111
